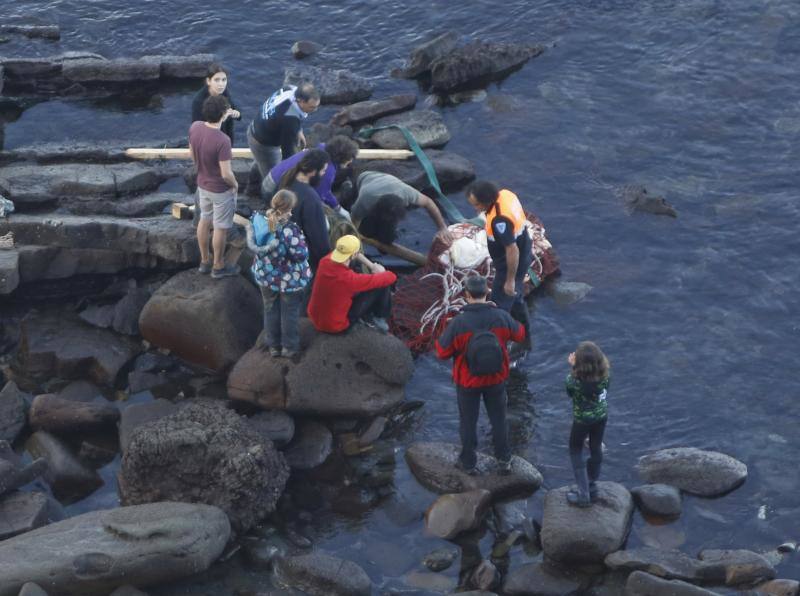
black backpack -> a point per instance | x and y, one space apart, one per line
484 354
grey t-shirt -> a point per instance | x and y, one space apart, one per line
373 185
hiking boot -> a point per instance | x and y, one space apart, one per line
204 268
226 271
471 471
504 466
576 499
275 352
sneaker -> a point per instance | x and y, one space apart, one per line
287 353
504 466
472 471
275 352
204 268
226 271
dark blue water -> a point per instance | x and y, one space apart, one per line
698 100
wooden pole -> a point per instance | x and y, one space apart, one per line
397 250
244 153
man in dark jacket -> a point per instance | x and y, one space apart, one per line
477 317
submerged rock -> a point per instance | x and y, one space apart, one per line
334 85
540 579
427 127
658 499
205 321
643 584
425 54
206 453
695 471
452 514
586 535
323 575
433 465
360 374
304 49
440 559
636 199
369 111
93 553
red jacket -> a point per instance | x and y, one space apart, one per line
473 318
335 285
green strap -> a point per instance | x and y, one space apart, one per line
450 211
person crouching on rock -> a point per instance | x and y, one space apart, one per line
281 270
211 152
340 297
587 386
476 340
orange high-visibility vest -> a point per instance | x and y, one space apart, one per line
508 206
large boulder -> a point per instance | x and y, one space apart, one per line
334 85
205 321
586 535
55 414
643 584
323 575
369 111
310 447
477 64
13 409
427 127
695 471
661 500
452 514
22 512
425 54
204 453
96 552
434 466
360 373
63 347
452 170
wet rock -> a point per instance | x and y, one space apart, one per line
127 590
779 587
661 535
136 415
425 54
139 381
319 132
568 292
369 111
204 321
429 583
68 477
204 453
357 374
9 271
155 362
52 413
22 512
452 170
110 71
14 475
194 66
452 514
262 553
735 567
109 151
427 126
323 575
334 85
576 535
32 185
127 311
93 553
658 499
695 471
373 431
643 584
58 346
485 576
440 559
304 49
540 579
275 425
51 32
433 465
390 556
310 447
31 589
637 200
13 409
477 64
666 563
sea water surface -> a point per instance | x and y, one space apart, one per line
697 100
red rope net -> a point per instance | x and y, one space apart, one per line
426 300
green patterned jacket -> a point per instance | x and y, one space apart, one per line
589 400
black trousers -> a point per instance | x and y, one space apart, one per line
514 305
577 436
469 403
377 302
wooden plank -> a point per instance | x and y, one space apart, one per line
398 250
244 153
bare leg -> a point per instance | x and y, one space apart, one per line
218 243
203 233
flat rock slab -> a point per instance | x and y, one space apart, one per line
427 127
643 584
95 152
452 170
586 535
695 471
51 32
452 514
22 512
433 465
660 500
540 579
369 111
70 479
58 346
736 567
55 414
13 412
334 85
204 321
664 563
323 575
361 373
96 552
310 447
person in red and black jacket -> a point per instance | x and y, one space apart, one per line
478 316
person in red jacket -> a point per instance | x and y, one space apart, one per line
476 339
340 296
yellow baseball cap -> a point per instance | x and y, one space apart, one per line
346 247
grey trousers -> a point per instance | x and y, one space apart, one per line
265 158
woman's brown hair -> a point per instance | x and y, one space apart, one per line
280 208
590 363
